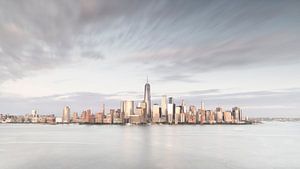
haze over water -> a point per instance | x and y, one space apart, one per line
268 145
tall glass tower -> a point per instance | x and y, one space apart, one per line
147 100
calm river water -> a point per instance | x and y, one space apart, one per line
272 145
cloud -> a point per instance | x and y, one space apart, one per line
268 50
54 103
280 102
181 38
41 35
227 36
178 78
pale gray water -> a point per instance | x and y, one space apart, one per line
272 145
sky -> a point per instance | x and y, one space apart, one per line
84 53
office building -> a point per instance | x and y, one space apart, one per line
171 110
164 108
128 108
147 100
66 115
219 115
156 113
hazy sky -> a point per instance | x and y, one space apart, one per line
83 53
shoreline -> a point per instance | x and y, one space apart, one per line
146 124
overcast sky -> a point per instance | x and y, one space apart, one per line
83 53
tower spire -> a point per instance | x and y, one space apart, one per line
147 100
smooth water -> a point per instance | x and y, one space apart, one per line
271 145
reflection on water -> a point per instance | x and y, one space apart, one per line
269 145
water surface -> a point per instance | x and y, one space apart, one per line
272 145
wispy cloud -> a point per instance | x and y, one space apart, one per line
173 40
182 38
280 102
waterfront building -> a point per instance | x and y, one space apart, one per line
219 115
191 117
20 119
117 117
171 110
75 117
128 108
108 118
87 116
99 118
50 119
177 114
236 113
212 117
135 119
58 120
164 108
207 114
198 118
142 111
35 119
34 113
139 111
192 109
182 118
66 114
184 107
34 116
227 117
156 113
147 100
42 119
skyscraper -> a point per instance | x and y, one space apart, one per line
156 113
171 110
236 113
147 100
128 108
164 108
66 115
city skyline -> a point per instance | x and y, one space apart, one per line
142 112
86 53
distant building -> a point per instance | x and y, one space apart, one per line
34 113
135 119
227 117
202 106
156 113
99 118
177 114
237 114
87 116
202 116
219 115
50 119
212 117
58 120
75 117
108 119
182 118
147 100
128 108
171 110
164 108
66 115
141 111
117 117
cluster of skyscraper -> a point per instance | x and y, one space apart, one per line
166 113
